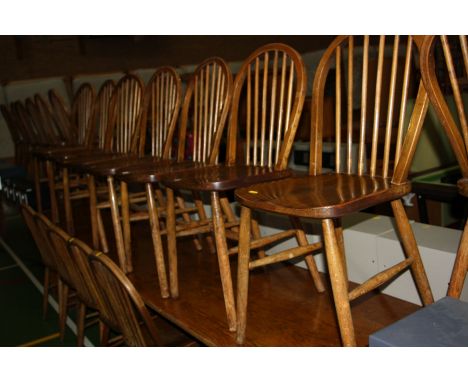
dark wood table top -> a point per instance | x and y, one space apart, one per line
284 308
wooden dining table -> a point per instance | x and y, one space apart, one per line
284 307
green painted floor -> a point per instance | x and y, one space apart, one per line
21 275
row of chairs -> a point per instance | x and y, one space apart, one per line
98 285
262 108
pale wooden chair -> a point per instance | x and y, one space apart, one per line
372 178
453 121
204 112
123 306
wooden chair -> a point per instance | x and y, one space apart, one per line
94 146
270 88
162 104
46 252
453 121
65 271
125 309
125 117
354 184
205 108
74 130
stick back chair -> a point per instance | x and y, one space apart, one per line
124 307
270 89
46 252
65 271
73 129
453 121
383 130
163 95
204 112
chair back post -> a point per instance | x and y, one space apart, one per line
163 95
208 98
272 81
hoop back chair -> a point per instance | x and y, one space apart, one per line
453 121
125 309
46 252
73 129
204 112
268 97
350 187
163 96
64 270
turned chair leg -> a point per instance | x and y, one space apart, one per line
53 197
67 202
309 259
63 307
119 240
93 210
45 295
256 234
223 260
157 242
202 216
37 184
187 219
457 280
411 251
243 273
80 324
127 236
336 268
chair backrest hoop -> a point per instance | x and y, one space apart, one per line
274 79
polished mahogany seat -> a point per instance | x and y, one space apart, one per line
321 196
221 177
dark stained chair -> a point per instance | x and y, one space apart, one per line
385 130
126 310
161 109
204 112
46 252
454 66
270 90
74 129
